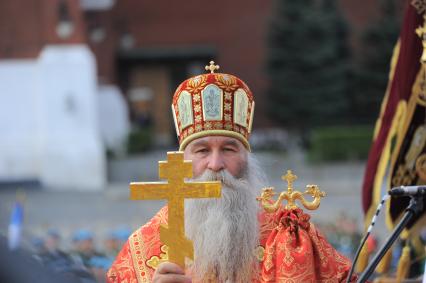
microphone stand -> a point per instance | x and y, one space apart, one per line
415 207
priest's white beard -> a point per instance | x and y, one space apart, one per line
225 231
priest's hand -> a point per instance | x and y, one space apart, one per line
168 272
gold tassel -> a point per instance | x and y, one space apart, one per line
418 246
403 264
362 259
384 264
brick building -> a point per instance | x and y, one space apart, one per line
148 47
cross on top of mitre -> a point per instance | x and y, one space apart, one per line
212 67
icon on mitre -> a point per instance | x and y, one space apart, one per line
295 250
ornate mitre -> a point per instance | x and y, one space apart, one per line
213 104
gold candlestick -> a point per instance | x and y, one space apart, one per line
291 196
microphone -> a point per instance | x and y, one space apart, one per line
408 191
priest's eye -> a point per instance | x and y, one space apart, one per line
202 150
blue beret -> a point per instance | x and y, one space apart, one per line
82 235
100 262
53 233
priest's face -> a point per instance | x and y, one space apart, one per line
217 153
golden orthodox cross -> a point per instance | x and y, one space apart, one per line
175 190
212 67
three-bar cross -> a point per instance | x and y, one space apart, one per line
175 170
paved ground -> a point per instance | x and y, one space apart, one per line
110 208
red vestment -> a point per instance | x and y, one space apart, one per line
291 250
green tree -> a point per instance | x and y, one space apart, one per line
372 73
308 63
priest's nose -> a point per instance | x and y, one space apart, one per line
216 162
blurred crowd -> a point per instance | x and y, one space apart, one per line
343 234
84 259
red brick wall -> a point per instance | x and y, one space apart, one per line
28 25
236 29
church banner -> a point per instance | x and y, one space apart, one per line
397 155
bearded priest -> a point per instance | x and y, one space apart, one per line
234 239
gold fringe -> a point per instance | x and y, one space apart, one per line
419 247
384 264
403 264
394 60
362 259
